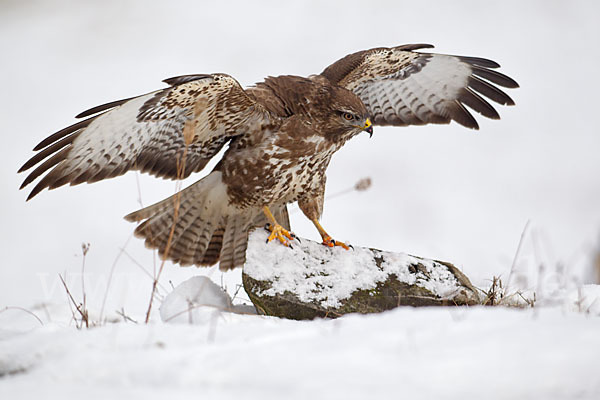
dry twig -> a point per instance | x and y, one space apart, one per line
24 310
176 204
82 312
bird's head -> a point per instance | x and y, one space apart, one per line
356 121
349 114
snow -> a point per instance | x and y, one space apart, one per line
440 191
193 301
450 353
198 301
200 348
585 299
314 272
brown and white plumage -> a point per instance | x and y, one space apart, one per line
281 135
402 87
148 133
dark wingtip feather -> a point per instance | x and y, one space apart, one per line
416 46
64 132
460 114
178 80
477 103
38 188
482 62
25 167
490 91
495 77
45 166
102 107
54 148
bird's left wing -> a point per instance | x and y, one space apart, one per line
169 133
402 87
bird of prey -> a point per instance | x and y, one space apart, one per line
281 135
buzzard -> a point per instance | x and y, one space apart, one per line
281 135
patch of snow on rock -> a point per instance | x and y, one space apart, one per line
314 272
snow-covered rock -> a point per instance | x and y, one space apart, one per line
311 280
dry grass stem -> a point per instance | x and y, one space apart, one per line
110 276
517 254
79 307
125 316
497 295
24 310
85 247
176 203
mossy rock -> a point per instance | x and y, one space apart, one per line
312 281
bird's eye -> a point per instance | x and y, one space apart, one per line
348 116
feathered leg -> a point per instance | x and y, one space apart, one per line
312 207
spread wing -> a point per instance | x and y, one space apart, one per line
402 87
196 115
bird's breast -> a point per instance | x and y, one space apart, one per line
274 175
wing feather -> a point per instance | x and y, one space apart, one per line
490 91
62 133
477 103
193 118
102 107
402 87
495 77
482 62
43 154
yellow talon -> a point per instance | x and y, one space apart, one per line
329 242
277 231
280 233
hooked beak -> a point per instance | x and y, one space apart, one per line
368 127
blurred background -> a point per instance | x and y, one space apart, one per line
441 192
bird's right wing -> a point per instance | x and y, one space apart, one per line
169 133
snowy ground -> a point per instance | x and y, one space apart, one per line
425 353
491 353
441 192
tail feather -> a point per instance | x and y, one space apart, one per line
235 241
240 244
199 209
213 251
226 259
157 208
206 229
194 240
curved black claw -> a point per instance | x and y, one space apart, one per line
330 242
268 229
295 237
335 243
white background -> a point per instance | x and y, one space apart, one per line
442 192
